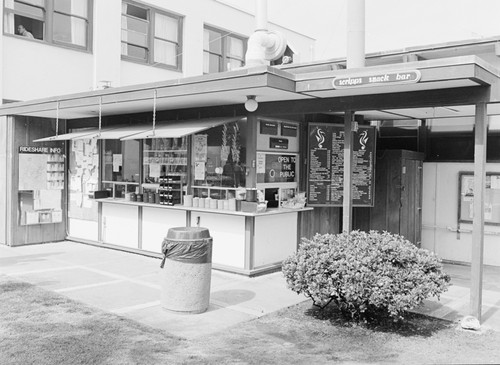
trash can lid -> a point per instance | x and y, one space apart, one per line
187 233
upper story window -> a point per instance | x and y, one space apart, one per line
222 51
63 22
151 36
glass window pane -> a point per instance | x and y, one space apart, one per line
40 3
206 39
224 158
206 62
165 52
33 26
74 7
136 25
137 39
134 51
214 63
214 41
69 29
8 23
166 27
136 11
234 64
235 47
29 10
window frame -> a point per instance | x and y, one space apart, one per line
225 56
152 11
48 25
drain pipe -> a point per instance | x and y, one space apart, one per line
263 45
355 33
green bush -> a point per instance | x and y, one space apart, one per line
365 274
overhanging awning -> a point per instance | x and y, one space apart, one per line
81 134
176 129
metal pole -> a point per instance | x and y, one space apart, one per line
355 33
476 291
347 199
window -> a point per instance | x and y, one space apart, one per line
222 51
121 167
151 36
218 164
64 22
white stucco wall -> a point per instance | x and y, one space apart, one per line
440 212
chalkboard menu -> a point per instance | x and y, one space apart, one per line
326 165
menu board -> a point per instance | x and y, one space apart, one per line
326 165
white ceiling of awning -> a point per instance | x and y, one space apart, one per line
178 129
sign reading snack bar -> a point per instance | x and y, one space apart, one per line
326 165
401 77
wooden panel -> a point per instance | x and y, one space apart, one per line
320 220
398 196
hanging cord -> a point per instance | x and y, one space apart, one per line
154 111
100 114
57 118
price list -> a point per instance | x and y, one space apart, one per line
326 165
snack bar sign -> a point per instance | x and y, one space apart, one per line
388 78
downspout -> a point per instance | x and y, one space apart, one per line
263 45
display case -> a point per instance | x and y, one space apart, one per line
171 190
164 156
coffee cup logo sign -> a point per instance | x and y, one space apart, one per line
363 139
389 78
320 137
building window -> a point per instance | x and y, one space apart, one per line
222 51
151 36
61 22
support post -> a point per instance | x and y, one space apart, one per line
347 198
481 130
251 155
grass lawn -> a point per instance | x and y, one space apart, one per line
41 327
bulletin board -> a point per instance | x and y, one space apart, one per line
491 198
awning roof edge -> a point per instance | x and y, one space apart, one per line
170 129
177 129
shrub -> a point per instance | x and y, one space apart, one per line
365 273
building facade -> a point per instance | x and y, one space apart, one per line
85 45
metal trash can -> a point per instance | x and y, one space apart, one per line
187 266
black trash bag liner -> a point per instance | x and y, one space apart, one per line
189 251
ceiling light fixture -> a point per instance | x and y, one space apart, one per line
251 104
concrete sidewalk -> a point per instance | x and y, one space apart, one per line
129 285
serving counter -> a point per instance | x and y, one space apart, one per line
243 242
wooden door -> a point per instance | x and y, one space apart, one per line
410 211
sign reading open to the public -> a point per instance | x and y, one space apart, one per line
325 180
388 78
